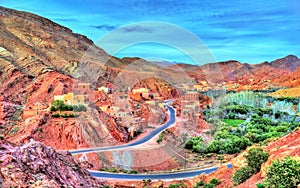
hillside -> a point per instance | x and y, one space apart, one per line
283 147
40 59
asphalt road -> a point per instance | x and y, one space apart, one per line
175 175
135 143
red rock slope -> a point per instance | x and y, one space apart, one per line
35 165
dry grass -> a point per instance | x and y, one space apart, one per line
290 92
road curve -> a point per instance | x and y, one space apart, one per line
175 175
135 143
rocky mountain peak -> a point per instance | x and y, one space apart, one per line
290 62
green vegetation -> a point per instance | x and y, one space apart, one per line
255 158
40 130
233 122
55 115
285 173
115 170
10 166
137 132
65 115
241 109
249 98
261 129
260 185
178 185
293 100
59 105
160 138
213 183
241 119
196 144
14 130
242 175
228 143
130 172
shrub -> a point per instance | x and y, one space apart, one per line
220 157
263 111
160 138
113 170
208 185
131 172
277 114
178 185
57 105
193 141
14 130
242 109
261 120
200 148
56 115
285 173
137 132
255 158
196 144
215 181
231 115
40 129
260 185
214 146
242 175
79 108
200 183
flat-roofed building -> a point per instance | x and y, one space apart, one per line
69 98
59 97
104 89
191 96
140 90
79 99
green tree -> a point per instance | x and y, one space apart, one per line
57 105
196 144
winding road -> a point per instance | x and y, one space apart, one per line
137 142
175 175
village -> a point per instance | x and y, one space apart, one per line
125 107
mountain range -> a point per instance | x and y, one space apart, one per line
31 45
40 59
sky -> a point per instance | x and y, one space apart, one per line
192 31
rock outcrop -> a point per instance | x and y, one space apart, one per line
35 165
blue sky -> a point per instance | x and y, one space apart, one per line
249 31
